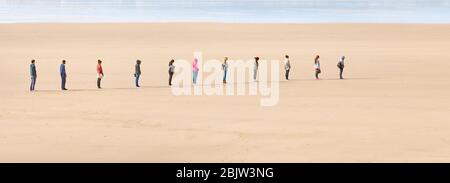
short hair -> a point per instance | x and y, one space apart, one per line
63 60
287 56
32 61
99 61
256 58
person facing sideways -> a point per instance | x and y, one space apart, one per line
33 74
255 68
171 71
99 74
340 65
137 72
194 71
317 66
62 71
225 70
287 66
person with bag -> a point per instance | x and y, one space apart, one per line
317 66
137 72
287 66
341 65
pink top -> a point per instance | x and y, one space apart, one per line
195 65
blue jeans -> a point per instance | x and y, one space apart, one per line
137 79
194 77
33 83
225 76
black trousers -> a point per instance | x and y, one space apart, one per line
170 78
99 80
63 82
317 73
287 74
341 72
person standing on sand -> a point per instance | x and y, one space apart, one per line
62 72
33 74
171 71
225 70
137 72
341 65
317 66
255 68
287 66
194 71
99 73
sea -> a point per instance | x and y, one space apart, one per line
227 11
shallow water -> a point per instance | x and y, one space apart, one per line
287 11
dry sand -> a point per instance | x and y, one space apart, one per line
393 107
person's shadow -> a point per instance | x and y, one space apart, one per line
104 89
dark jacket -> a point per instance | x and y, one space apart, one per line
33 72
340 65
137 69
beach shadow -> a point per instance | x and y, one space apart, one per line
154 87
211 85
336 79
103 89
229 83
332 79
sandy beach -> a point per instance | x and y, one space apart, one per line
393 105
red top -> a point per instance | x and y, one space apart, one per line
99 69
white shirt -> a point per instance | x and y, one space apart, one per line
287 64
341 61
317 65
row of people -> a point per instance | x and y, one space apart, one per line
195 70
287 68
340 65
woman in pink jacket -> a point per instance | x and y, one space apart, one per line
194 70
